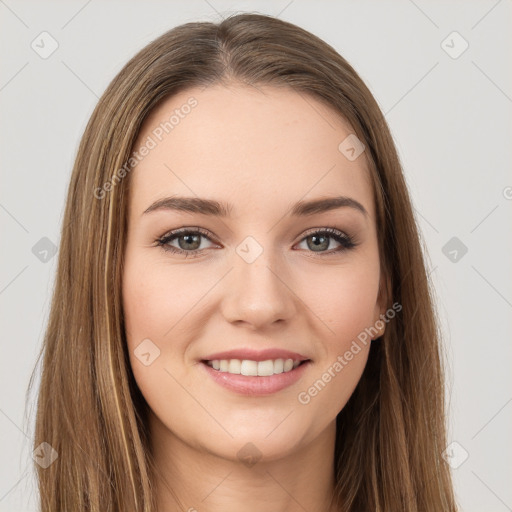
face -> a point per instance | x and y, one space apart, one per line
265 282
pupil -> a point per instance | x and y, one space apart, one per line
317 244
187 238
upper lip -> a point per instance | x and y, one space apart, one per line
256 355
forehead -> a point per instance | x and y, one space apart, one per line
261 146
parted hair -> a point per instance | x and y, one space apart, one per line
391 433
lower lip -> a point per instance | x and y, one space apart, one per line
252 385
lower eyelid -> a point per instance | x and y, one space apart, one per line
345 242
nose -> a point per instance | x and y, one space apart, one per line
258 294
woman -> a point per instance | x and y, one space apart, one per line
242 317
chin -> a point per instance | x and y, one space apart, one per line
254 447
274 437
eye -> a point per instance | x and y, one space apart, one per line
189 241
319 240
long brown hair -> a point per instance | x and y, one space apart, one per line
390 435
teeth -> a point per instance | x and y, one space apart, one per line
249 367
265 368
234 366
254 368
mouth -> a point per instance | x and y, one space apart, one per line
252 368
255 378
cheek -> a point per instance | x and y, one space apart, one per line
345 300
152 312
160 304
155 302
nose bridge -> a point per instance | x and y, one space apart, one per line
257 293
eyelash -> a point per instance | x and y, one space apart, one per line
346 241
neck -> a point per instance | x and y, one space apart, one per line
192 478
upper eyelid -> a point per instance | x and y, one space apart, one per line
206 233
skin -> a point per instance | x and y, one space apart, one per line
261 149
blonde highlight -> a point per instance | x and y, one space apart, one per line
391 433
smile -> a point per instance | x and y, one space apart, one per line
255 378
254 368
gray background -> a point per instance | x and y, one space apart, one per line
451 121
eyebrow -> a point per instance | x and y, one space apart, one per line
217 209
